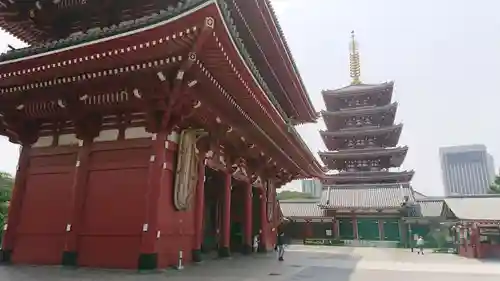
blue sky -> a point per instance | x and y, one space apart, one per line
444 57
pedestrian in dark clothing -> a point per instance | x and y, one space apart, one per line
280 245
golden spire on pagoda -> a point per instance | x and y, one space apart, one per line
354 64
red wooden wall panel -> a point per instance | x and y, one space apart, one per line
176 227
114 207
45 206
114 203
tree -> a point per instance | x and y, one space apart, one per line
6 184
495 186
287 195
439 233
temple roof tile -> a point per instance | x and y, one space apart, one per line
301 208
427 208
366 196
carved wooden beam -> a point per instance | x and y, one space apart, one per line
23 131
5 129
168 110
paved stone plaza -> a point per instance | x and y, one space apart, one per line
302 263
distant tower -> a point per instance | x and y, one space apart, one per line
361 135
312 187
355 65
367 198
466 169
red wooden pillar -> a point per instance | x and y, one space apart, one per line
248 240
14 214
381 232
200 211
474 241
73 226
309 230
355 227
263 223
148 258
226 217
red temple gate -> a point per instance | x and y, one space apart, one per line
119 124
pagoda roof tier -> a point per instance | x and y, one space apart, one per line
358 95
379 116
118 73
382 137
371 197
49 27
340 160
365 177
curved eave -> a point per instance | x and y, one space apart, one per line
336 120
266 114
363 132
334 140
368 177
371 152
395 156
315 165
298 150
312 168
303 112
361 111
301 154
298 154
18 31
336 101
311 115
360 89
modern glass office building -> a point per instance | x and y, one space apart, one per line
466 170
312 186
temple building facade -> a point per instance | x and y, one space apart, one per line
151 131
367 199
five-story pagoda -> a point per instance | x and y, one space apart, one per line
362 141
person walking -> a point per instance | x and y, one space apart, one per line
420 245
280 245
255 243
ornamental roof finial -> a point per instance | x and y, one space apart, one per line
354 64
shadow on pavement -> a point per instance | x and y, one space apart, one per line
297 266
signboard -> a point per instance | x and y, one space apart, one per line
489 231
328 232
323 242
270 200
